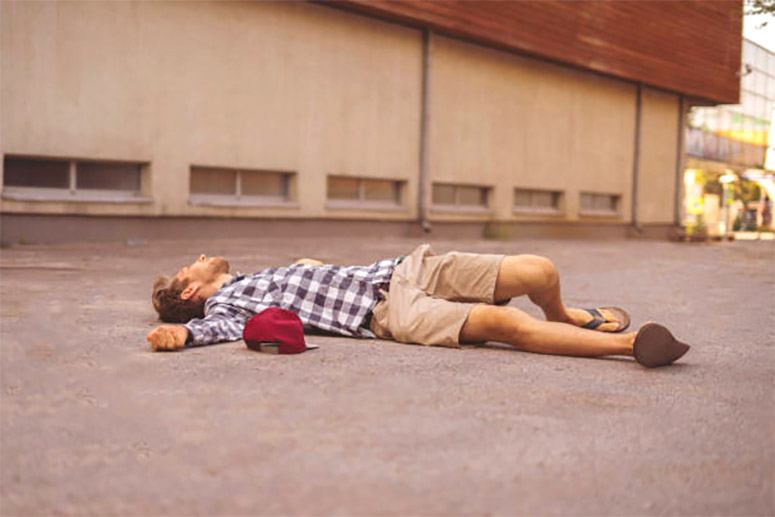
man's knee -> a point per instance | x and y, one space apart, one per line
493 323
543 270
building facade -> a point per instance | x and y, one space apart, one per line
146 119
730 145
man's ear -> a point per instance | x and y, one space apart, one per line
189 291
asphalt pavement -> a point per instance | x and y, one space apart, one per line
93 422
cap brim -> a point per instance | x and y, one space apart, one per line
273 347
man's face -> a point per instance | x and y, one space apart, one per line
203 270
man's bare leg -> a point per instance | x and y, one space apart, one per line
537 277
517 328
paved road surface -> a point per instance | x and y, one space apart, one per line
94 423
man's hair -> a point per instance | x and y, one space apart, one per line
170 306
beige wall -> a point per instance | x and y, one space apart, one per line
289 86
508 121
307 88
658 156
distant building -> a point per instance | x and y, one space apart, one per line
731 140
166 119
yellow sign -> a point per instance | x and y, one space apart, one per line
751 136
695 202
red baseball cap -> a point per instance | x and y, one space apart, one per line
275 330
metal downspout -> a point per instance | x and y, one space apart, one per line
422 187
636 160
679 162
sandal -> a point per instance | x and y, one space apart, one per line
656 346
622 318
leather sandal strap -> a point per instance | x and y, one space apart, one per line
597 319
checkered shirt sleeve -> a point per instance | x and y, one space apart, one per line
336 299
222 323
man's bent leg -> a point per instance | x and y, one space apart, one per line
514 327
538 278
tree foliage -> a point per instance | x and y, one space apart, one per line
756 7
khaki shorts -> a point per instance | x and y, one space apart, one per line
431 296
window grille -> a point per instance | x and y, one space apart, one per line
358 192
456 196
593 203
227 187
536 200
65 179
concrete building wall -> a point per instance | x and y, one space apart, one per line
658 157
278 86
316 91
505 121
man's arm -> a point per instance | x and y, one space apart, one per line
224 323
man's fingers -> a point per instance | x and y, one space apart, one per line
156 338
167 340
151 338
162 338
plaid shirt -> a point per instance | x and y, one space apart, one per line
332 298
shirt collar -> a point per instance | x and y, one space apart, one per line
236 278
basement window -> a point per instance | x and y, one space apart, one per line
63 179
448 196
354 192
537 201
593 203
217 186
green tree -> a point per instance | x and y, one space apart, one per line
756 7
747 191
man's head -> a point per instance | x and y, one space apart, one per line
182 298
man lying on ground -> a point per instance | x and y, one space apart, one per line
448 300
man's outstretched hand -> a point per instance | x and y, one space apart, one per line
168 337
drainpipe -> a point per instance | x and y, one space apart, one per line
679 163
636 160
422 186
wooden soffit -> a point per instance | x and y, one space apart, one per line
691 47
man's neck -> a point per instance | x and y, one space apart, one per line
224 278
